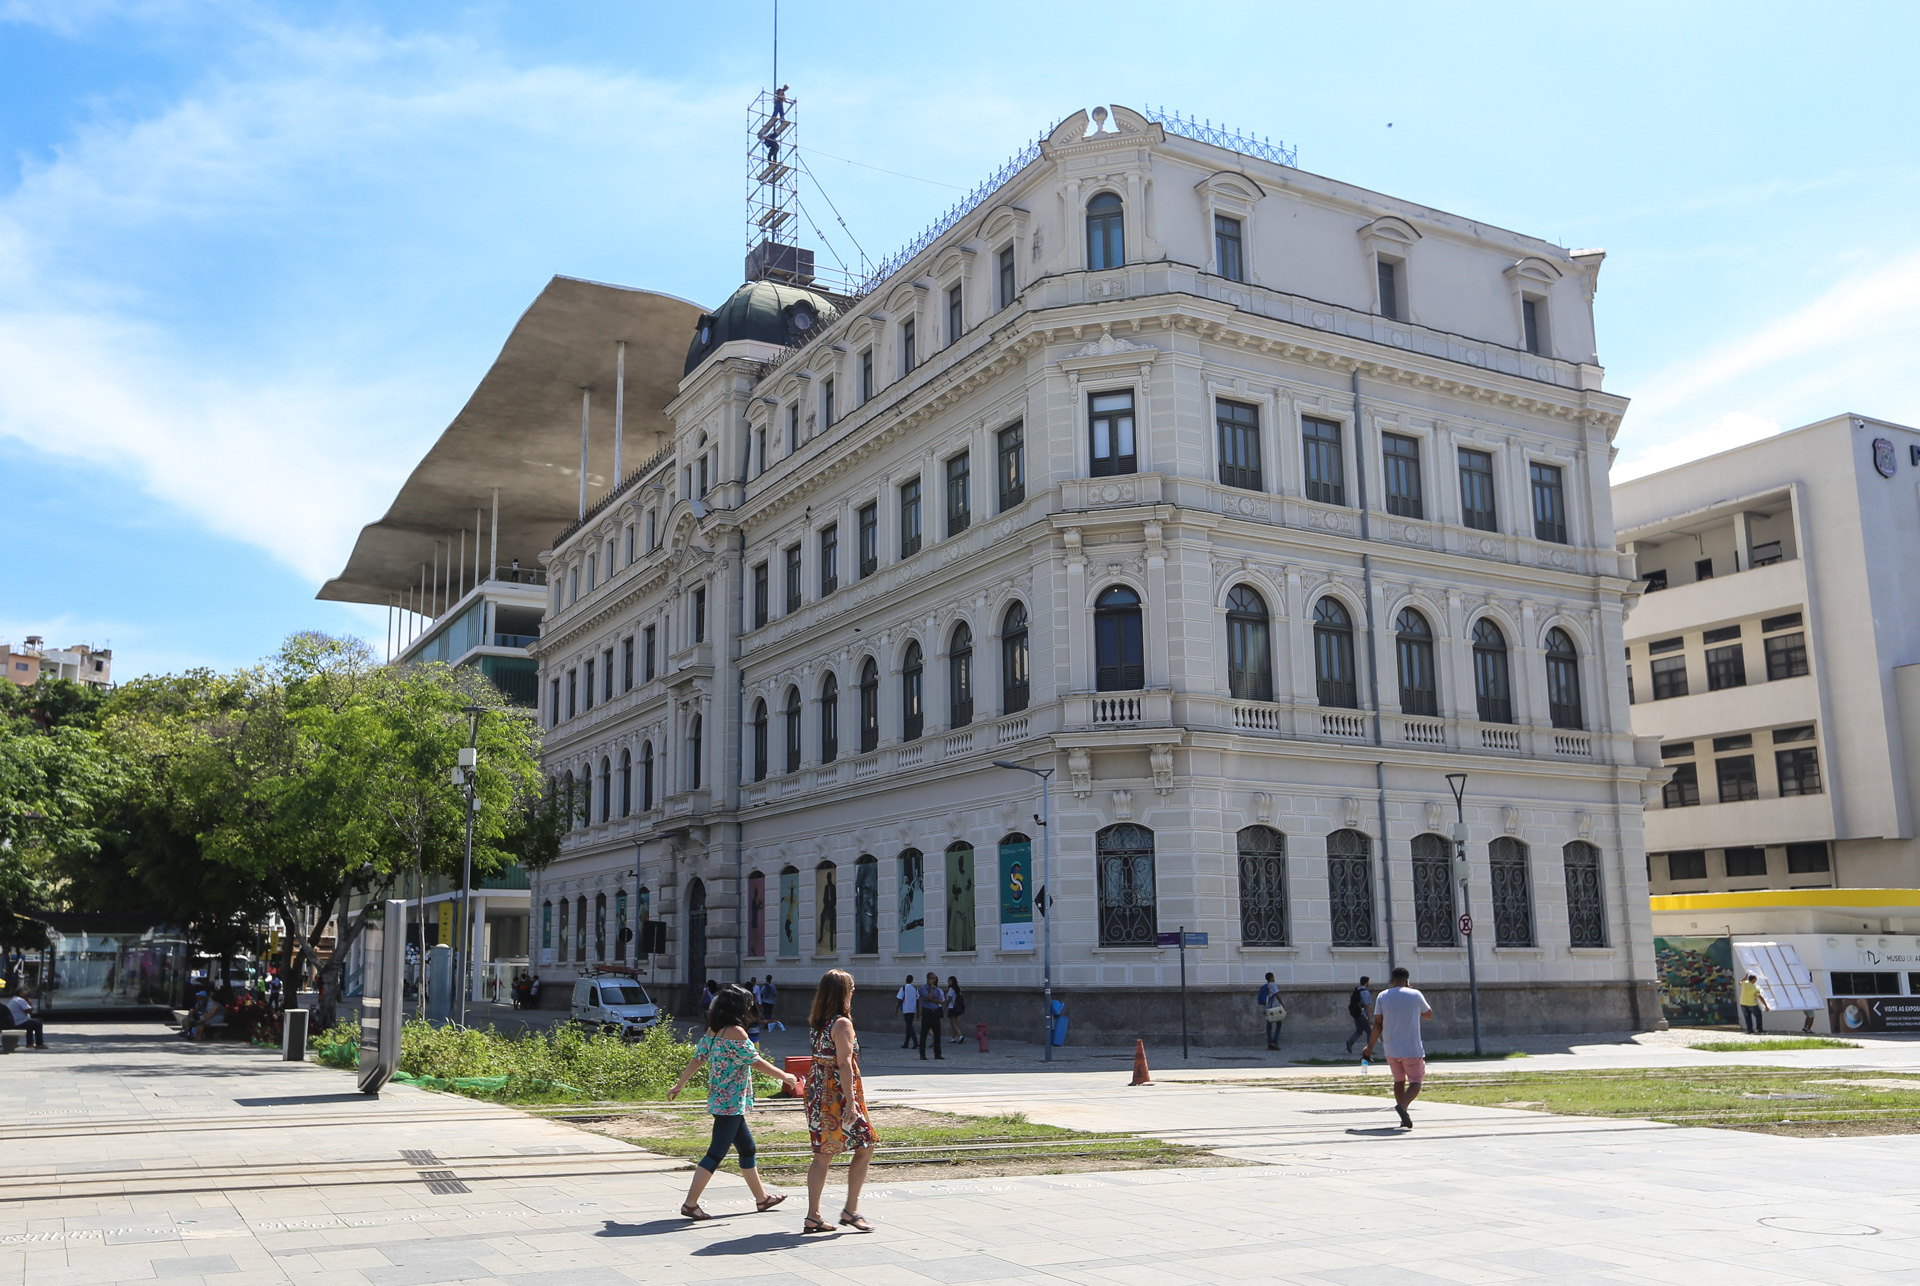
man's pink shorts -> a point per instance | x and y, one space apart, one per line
1408 1069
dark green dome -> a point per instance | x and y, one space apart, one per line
766 311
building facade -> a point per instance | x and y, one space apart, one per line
81 663
1247 503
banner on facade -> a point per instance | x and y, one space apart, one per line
1016 897
789 913
446 924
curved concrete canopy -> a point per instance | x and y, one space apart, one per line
520 432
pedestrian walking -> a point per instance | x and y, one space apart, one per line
753 1014
731 1060
933 1008
1751 1002
769 997
837 1118
19 1012
1398 1013
1272 1010
1360 1009
956 1006
909 998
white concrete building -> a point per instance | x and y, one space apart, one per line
1249 503
1776 658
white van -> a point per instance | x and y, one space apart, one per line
614 1004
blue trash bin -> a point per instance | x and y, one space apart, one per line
1059 1022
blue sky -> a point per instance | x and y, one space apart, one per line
253 256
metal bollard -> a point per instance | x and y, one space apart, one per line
980 1030
293 1036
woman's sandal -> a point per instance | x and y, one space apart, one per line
858 1223
694 1213
815 1224
769 1201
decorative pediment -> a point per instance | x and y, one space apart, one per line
1235 185
1390 233
1108 345
1531 270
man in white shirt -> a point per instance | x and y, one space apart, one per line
1397 1014
909 998
20 1011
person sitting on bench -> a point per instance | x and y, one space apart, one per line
19 1011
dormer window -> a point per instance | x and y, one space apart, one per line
1389 278
1226 248
907 360
1533 324
1006 276
956 314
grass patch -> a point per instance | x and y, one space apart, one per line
1765 1046
1354 1060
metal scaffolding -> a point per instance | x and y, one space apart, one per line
773 187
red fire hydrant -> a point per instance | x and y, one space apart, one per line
980 1030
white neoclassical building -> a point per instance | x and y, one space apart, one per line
1248 503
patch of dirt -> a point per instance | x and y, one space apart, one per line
1869 1082
1523 1104
1837 1129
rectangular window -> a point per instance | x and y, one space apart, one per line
1402 476
1808 859
573 693
829 558
759 452
1013 466
653 521
699 622
700 475
587 701
1703 569
1683 789
909 518
1786 656
1111 424
907 359
1738 783
1389 278
626 665
1799 770
592 567
553 706
606 669
956 315
1006 276
1864 984
1726 667
1530 324
1677 750
869 540
1774 624
959 493
1659 646
866 377
1669 677
761 595
630 530
1226 248
1738 741
793 428
1239 445
1746 863
1549 504
1689 864
1722 635
648 654
793 579
1782 736
1476 491
1326 470
826 402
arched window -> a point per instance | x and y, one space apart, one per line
566 943
646 776
1350 888
566 796
913 706
1119 653
960 916
600 927
1490 683
1263 887
1586 905
826 910
546 931
829 719
1249 658
793 729
866 906
869 706
760 741
960 679
606 789
1015 678
626 782
1413 644
1563 681
1128 908
1512 893
695 737
757 915
913 902
1106 239
1433 891
1333 655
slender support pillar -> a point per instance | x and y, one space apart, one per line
619 404
586 401
493 535
477 570
460 576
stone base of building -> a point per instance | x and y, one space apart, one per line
1315 1015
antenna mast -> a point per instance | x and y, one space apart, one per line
773 183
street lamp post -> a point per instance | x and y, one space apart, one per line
465 774
1040 901
1458 781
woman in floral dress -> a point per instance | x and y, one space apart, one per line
730 1059
836 1102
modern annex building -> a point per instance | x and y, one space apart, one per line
1247 503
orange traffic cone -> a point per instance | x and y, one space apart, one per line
1140 1074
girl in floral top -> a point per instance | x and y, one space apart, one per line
731 1060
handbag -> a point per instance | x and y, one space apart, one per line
1276 1012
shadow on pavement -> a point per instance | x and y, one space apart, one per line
654 1228
294 1100
760 1244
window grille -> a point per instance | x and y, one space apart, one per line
1433 913
1350 888
1127 905
1586 904
1263 887
1512 893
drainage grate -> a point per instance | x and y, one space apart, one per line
442 1181
418 1156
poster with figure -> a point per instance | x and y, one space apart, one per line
866 907
960 898
756 914
1016 895
789 913
826 901
913 904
